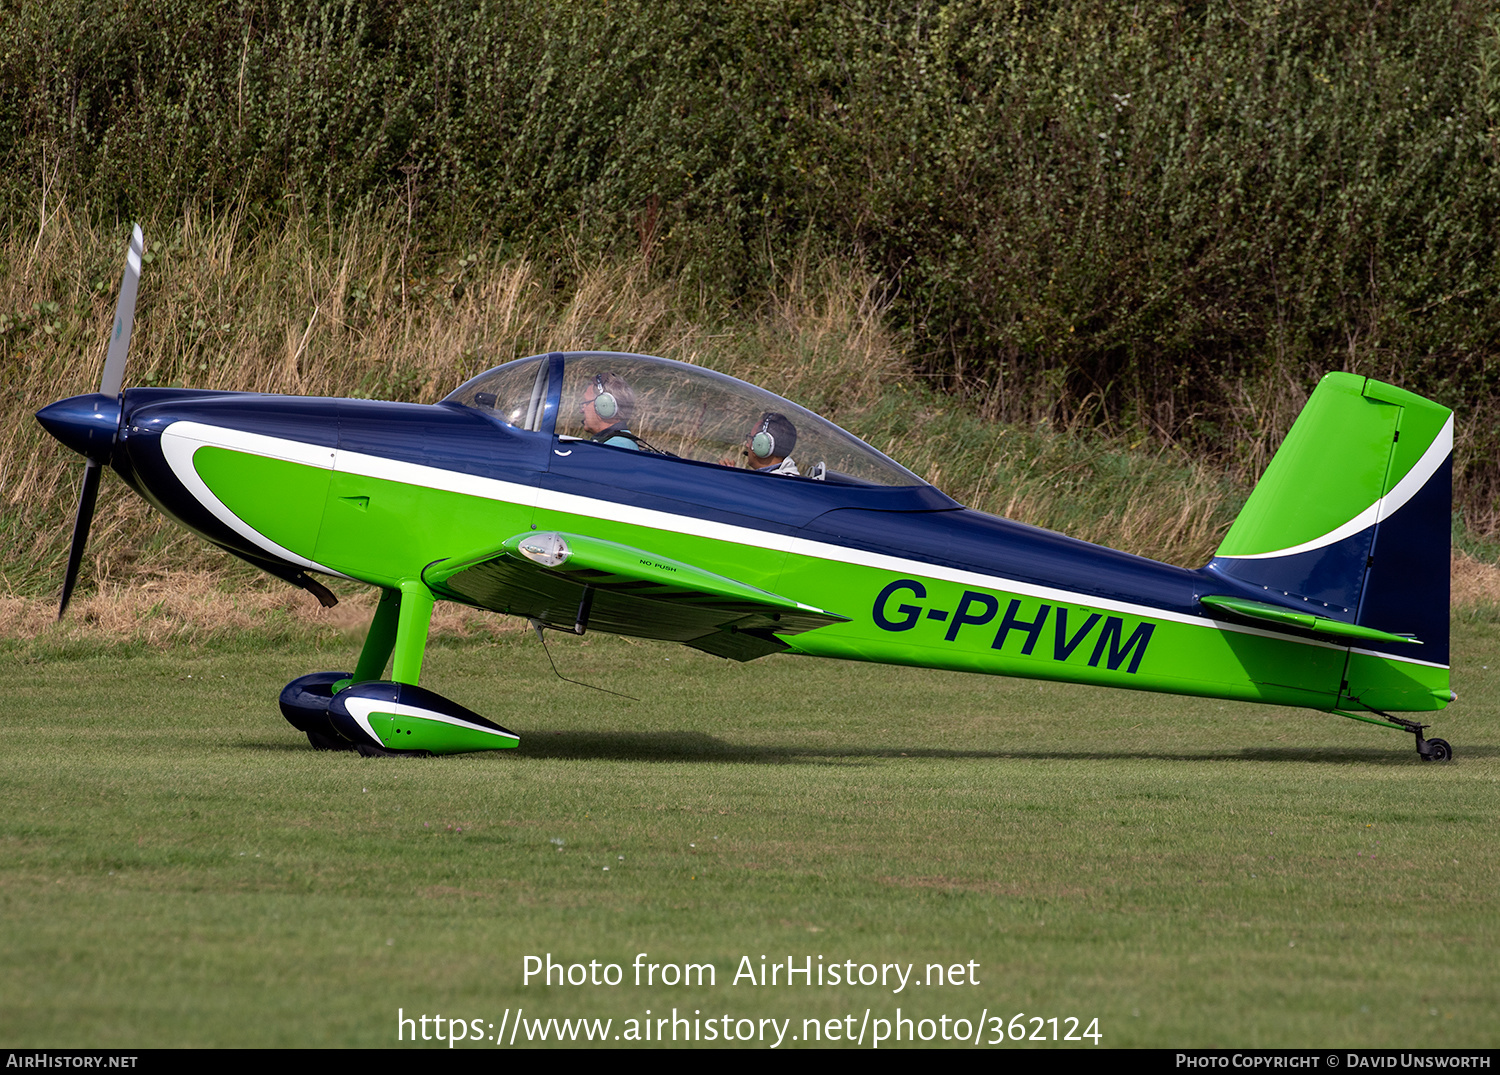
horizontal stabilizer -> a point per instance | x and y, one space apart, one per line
573 582
1288 617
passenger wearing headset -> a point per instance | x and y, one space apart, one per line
607 406
768 447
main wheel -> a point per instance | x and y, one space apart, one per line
1440 750
320 741
367 751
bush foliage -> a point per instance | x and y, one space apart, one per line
1165 217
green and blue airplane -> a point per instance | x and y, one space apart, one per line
645 497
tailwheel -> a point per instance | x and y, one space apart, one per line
1437 750
1427 749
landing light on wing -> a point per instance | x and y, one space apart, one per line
548 549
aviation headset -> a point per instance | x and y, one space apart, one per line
762 444
605 404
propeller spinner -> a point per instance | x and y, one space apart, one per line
90 424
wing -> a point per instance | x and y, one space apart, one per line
573 582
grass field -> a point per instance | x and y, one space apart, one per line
177 867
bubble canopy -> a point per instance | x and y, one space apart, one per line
676 410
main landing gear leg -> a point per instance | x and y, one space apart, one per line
380 641
413 620
361 711
398 635
380 718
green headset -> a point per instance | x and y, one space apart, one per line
605 404
762 444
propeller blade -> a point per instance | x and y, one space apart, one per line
109 386
119 339
85 516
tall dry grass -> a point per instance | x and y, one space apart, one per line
367 310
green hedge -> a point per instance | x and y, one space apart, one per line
1172 216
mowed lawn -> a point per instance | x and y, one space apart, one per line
178 868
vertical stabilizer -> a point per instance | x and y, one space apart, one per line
1352 521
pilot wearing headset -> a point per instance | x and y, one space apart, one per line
607 406
768 447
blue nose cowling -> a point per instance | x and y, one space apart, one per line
87 424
